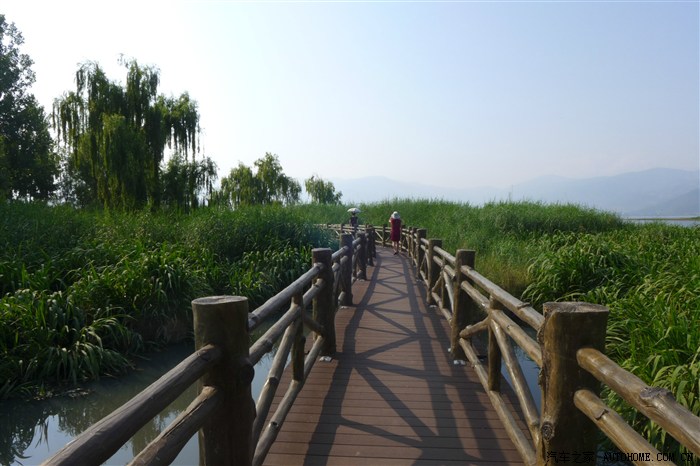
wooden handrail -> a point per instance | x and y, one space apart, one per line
318 286
104 438
658 404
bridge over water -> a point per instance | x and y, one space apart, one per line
391 394
379 380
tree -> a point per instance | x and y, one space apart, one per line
274 186
321 191
187 183
268 185
28 162
117 135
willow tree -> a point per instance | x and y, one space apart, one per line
322 191
266 185
117 135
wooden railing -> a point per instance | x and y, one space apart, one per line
569 351
231 425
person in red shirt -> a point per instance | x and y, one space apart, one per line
395 235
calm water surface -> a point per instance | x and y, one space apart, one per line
30 432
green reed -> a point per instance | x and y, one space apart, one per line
649 277
85 291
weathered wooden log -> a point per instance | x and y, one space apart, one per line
298 349
282 298
514 433
522 390
494 354
312 324
223 321
617 430
346 243
420 250
312 357
324 306
362 256
447 288
462 309
657 404
433 268
267 394
104 438
471 330
266 342
270 434
384 235
476 296
567 328
371 251
164 449
523 310
530 346
446 257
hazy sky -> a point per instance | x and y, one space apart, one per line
451 93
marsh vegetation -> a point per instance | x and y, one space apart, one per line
83 292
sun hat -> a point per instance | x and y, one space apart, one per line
395 215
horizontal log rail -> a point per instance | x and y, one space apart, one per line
571 409
231 425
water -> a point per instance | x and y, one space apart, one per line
683 222
31 432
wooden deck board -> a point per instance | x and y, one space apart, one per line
391 395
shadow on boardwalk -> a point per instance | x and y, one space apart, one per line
391 395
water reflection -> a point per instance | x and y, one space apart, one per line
30 432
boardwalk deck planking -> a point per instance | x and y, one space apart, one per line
391 395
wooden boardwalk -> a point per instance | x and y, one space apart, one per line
391 395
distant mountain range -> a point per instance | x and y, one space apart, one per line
659 192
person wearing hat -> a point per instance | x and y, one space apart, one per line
395 236
353 219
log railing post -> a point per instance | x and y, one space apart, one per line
346 272
227 435
494 354
433 269
370 245
362 257
297 353
384 235
420 255
323 305
567 328
464 310
409 240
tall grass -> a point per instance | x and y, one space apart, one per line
83 292
649 277
503 234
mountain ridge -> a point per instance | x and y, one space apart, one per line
661 192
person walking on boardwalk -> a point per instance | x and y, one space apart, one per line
395 236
